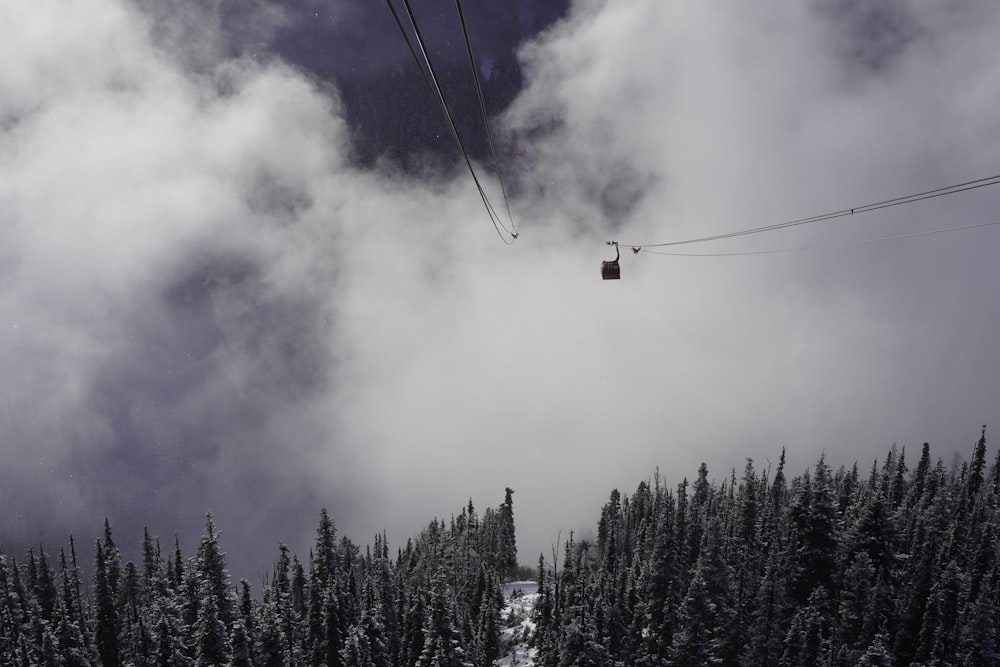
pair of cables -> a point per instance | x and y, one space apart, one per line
506 233
866 208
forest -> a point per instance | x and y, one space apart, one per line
830 567
435 602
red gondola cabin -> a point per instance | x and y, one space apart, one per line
610 270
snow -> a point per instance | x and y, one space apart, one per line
521 587
518 627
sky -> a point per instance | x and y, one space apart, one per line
208 305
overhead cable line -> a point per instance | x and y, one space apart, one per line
866 208
416 58
443 105
486 117
820 247
430 78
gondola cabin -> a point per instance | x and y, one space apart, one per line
611 270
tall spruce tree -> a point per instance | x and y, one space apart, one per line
105 612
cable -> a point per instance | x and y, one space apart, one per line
929 194
486 117
432 82
416 58
819 247
494 218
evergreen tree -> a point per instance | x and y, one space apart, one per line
412 639
581 643
168 643
487 633
705 620
661 597
325 551
69 629
768 621
979 641
45 588
134 640
876 655
112 557
912 605
71 644
875 534
441 640
852 632
154 584
939 634
212 576
696 508
545 638
272 645
745 551
242 648
75 589
807 642
176 566
508 542
366 644
813 521
213 646
976 468
697 641
106 613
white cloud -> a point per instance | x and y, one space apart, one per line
203 298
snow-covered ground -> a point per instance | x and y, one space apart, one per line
520 599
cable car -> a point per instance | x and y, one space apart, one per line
611 270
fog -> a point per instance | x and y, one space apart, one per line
208 306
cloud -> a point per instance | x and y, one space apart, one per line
165 310
208 307
713 119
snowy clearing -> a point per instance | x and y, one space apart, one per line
518 627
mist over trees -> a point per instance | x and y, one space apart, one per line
898 566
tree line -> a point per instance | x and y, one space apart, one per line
436 602
830 568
